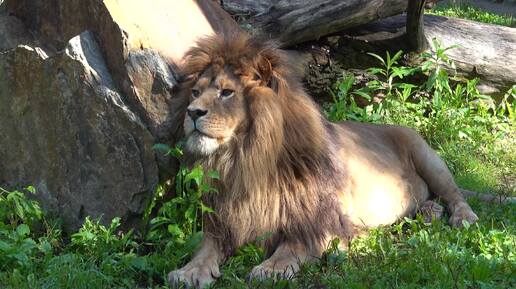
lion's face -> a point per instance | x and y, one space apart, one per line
216 111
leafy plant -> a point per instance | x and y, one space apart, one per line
389 70
94 239
179 221
17 214
344 105
436 63
15 208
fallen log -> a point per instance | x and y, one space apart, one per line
485 51
294 21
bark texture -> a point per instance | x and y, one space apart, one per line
296 21
415 25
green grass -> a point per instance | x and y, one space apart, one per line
474 134
467 11
413 255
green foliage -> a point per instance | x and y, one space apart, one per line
411 254
390 72
467 11
94 239
435 64
182 215
15 208
18 243
344 106
471 131
99 256
179 221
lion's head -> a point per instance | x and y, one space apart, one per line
223 71
216 112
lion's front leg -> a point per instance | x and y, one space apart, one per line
285 261
202 270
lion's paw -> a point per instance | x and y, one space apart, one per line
198 276
263 271
431 210
462 212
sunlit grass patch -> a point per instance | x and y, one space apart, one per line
467 11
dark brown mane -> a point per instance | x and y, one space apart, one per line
280 176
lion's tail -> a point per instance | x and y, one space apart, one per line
491 198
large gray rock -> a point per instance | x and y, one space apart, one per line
150 83
81 111
142 74
128 33
66 130
13 33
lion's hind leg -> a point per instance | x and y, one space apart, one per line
285 261
440 181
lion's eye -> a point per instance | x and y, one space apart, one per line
196 93
226 93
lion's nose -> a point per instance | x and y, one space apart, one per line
196 113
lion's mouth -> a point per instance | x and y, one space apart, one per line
201 143
201 133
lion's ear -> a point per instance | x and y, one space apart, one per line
272 69
264 70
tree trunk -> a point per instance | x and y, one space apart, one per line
415 25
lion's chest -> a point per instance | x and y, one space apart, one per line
249 218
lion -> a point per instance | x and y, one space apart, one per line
288 173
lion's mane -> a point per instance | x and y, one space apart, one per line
281 176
